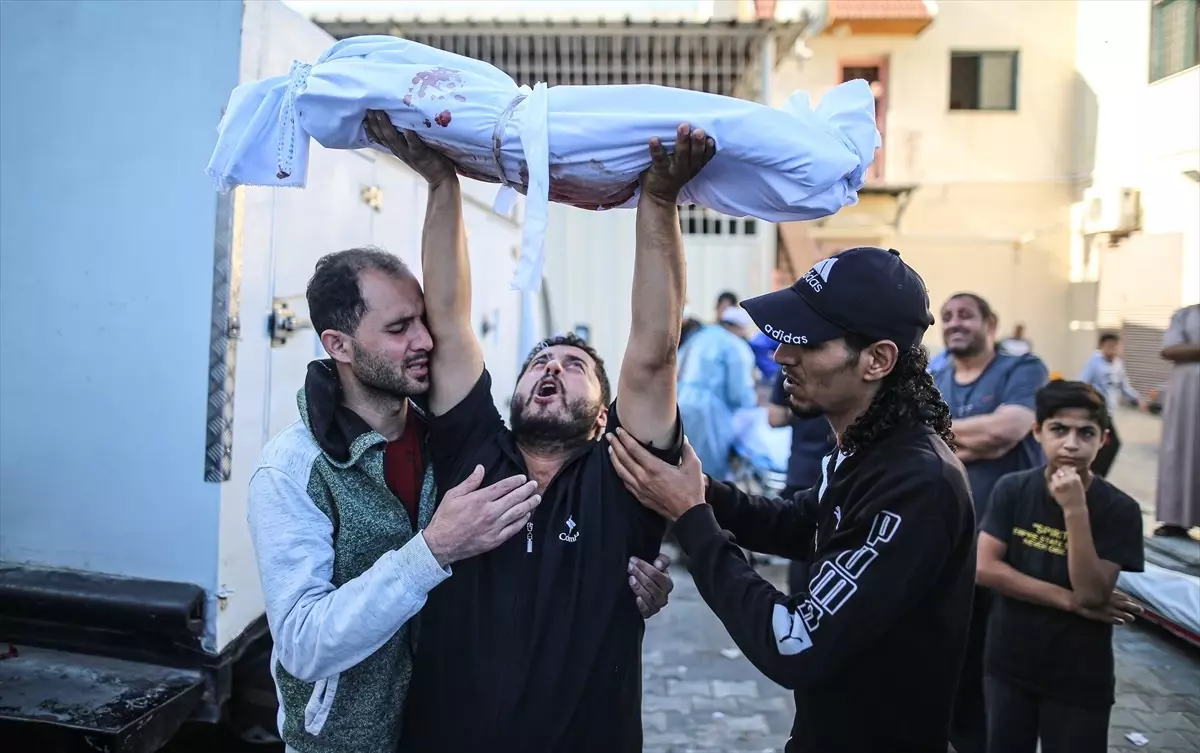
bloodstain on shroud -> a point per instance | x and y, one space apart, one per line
436 84
443 81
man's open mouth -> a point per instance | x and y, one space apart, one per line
546 390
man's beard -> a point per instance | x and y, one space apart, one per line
554 432
383 378
976 346
806 413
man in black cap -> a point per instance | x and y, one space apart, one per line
873 646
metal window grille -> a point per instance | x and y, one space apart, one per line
717 56
697 220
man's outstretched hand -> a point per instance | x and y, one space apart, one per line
669 490
651 584
670 172
430 164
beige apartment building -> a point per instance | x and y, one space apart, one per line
1042 153
1138 228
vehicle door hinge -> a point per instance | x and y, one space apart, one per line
283 322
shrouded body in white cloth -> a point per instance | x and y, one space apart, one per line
578 145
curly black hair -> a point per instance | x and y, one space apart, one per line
907 396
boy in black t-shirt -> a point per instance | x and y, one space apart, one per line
1052 544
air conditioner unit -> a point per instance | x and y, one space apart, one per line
1117 211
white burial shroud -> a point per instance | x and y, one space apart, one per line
580 145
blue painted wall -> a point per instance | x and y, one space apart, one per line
108 113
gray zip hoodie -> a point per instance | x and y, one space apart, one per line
343 575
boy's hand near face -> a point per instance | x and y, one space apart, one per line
1066 487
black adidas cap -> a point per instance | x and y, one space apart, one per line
866 291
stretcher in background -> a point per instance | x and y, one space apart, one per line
1169 589
759 464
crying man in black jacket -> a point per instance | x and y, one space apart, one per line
873 646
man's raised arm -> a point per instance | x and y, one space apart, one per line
457 360
646 387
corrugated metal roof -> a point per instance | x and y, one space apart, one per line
716 56
846 10
353 26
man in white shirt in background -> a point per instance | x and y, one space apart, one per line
1017 344
1106 372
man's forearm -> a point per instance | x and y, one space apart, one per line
1182 353
445 264
975 434
1084 568
321 629
659 274
990 436
457 361
1004 578
646 386
776 526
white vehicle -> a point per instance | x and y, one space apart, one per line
153 339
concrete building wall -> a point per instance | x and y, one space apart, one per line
1147 136
589 273
990 209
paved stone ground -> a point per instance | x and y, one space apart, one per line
697 699
1158 692
694 698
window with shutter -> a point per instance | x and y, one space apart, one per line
1174 37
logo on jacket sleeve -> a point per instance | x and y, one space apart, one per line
791 634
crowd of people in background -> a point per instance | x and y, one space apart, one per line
716 380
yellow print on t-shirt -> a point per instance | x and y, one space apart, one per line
1043 538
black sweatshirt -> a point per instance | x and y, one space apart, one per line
535 646
873 646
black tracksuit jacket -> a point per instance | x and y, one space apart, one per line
873 646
